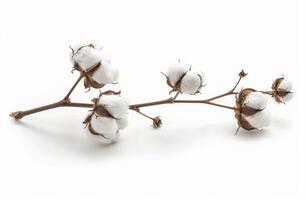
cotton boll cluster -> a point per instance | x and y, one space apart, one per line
87 58
251 110
282 90
181 77
108 116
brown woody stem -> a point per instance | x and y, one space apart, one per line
74 86
230 92
171 101
63 103
136 107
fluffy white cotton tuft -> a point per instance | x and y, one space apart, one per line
285 85
116 105
260 119
106 127
256 100
87 57
103 139
175 71
123 122
287 98
105 73
191 82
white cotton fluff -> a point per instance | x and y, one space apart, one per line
105 73
116 105
260 119
285 85
105 126
123 122
87 57
191 82
287 98
256 100
175 71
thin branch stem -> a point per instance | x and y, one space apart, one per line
147 116
74 86
230 92
170 101
67 103
64 102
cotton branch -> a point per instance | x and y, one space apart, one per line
108 112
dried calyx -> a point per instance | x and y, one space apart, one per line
88 60
251 110
108 116
183 78
282 90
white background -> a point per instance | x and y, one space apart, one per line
195 154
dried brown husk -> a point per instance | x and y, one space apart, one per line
243 110
157 122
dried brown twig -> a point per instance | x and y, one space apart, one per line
65 102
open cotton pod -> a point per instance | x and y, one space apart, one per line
251 110
282 90
108 116
181 77
87 58
102 129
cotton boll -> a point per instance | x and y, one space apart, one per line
260 119
282 90
285 85
256 100
116 105
105 73
105 129
104 125
191 83
123 122
175 72
87 57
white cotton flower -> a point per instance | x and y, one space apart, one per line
191 82
86 57
260 119
175 72
123 122
105 73
282 90
103 129
116 105
256 100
